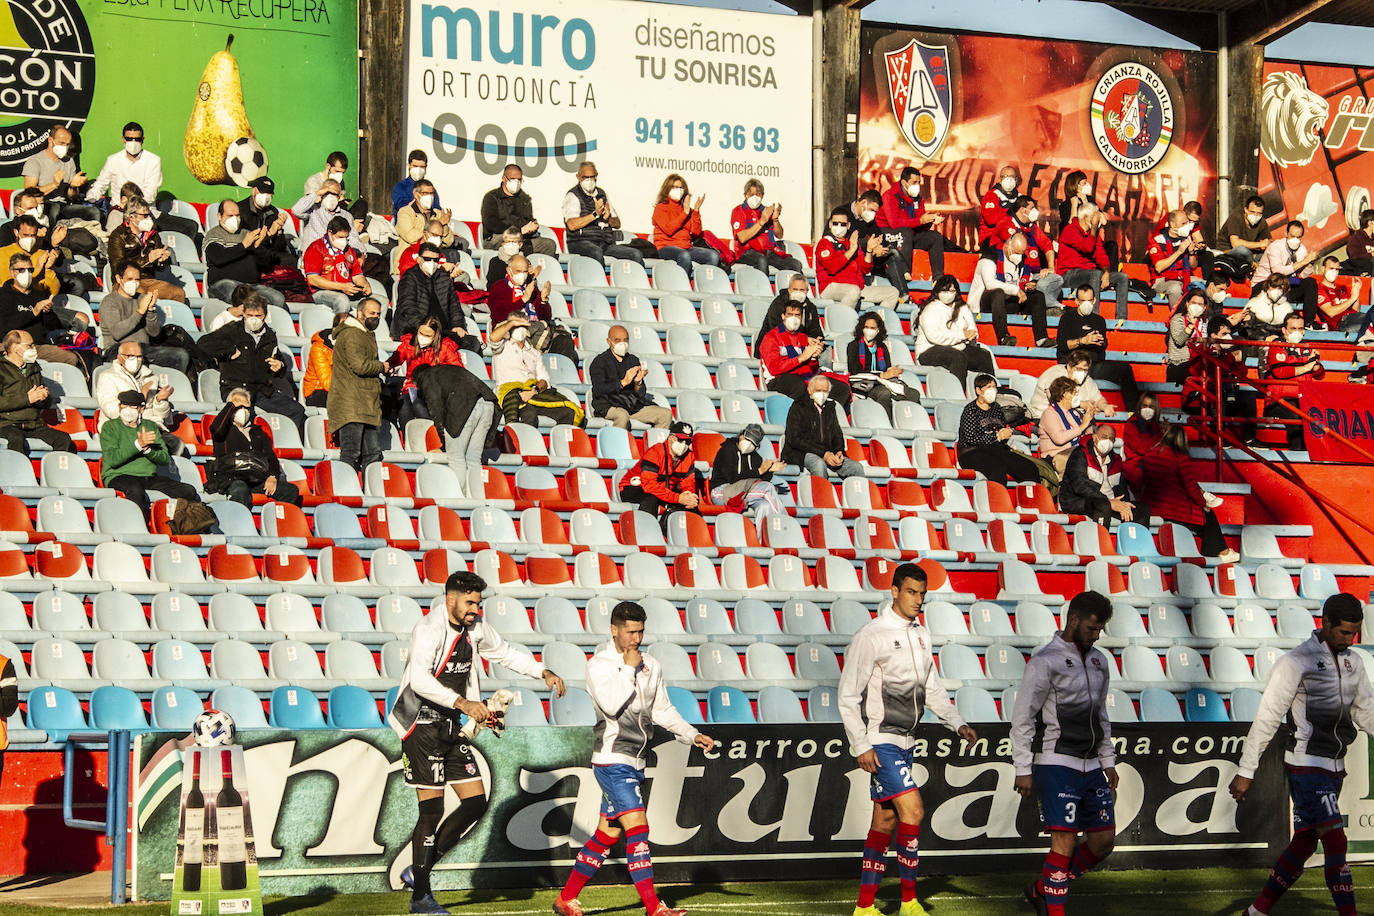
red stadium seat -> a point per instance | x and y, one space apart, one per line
341 565
547 570
228 563
327 486
873 533
549 528
688 529
395 481
816 492
450 524
495 485
286 564
56 560
572 441
878 573
390 523
692 570
907 495
438 565
1034 499
991 498
14 515
706 444
289 520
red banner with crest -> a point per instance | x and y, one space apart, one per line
1340 408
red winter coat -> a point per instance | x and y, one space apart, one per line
1137 437
1170 486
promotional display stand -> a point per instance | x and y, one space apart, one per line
216 863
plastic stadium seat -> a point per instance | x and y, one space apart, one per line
295 662
1295 622
242 705
1139 663
975 704
779 706
686 704
817 662
62 615
1317 583
1133 540
1232 581
122 662
1259 545
1245 704
1167 622
350 707
765 661
175 708
1004 663
116 707
959 662
340 566
1253 621
1229 665
788 573
707 617
1119 706
56 711
292 707
61 662
836 574
822 704
238 662
573 708
525 709
729 705
1274 583
62 515
556 616
1159 705
1184 665
231 563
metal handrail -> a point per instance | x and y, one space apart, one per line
115 826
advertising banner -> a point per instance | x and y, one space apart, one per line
289 81
1344 409
1357 799
643 90
216 864
1138 122
770 802
1316 148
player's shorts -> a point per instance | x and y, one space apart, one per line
621 789
894 776
1315 795
1073 799
436 754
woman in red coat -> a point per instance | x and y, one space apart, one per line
1141 431
1172 486
426 347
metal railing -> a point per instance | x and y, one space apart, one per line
115 826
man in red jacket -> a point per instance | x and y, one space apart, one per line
843 263
907 226
1172 257
1287 365
758 232
1025 219
996 207
665 480
1083 259
790 359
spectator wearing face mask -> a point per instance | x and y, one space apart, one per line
1289 257
907 226
618 390
134 164
1038 258
1246 233
1240 400
1187 333
508 206
245 463
791 358
812 437
413 221
403 192
1173 482
1263 316
26 308
115 217
1359 247
137 244
335 170
129 372
234 312
318 211
1084 328
844 262
983 437
798 291
24 397
869 361
1083 258
1335 310
425 346
863 216
333 268
1218 290
132 449
53 172
947 333
1286 366
230 259
593 226
319 367
1064 423
248 356
522 380
257 212
128 314
519 293
665 479
1093 484
677 224
428 292
1172 258
1007 282
355 387
1075 366
512 243
742 479
43 260
1140 433
996 206
758 232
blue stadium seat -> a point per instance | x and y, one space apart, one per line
295 708
1204 705
242 705
352 707
56 711
573 708
779 706
726 704
1159 705
525 709
115 707
175 708
686 704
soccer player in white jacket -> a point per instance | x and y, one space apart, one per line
1322 688
889 678
630 698
1061 746
440 682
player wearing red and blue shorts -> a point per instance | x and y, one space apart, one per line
1322 688
889 677
1061 746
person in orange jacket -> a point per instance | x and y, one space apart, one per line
319 366
666 480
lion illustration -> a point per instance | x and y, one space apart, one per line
1292 116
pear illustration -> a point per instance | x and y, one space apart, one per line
217 119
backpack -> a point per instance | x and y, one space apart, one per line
192 517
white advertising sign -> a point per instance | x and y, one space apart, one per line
641 89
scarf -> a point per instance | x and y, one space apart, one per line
871 358
1005 268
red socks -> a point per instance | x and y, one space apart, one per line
874 864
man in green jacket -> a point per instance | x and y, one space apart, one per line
133 450
355 391
23 397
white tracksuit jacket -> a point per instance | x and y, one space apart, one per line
1060 717
629 702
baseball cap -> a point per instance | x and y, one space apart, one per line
264 184
681 430
131 398
754 433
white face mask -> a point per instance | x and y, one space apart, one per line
1076 400
1185 230
230 224
518 279
676 193
60 151
946 296
679 447
22 278
1147 414
1195 309
987 395
588 185
1104 446
820 397
796 295
132 364
262 200
1009 184
129 415
1032 216
1294 243
1252 219
1013 259
519 334
28 242
870 334
839 230
436 240
510 249
1086 308
428 267
133 147
130 288
424 340
1294 337
792 323
330 202
38 214
242 416
336 176
145 224
1085 190
1332 273
746 446
31 355
868 216
913 190
512 185
1274 294
620 348
1219 296
1078 375
417 172
254 324
426 201
753 201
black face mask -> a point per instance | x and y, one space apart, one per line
371 323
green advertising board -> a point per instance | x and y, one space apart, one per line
93 65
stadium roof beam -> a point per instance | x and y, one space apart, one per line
1262 21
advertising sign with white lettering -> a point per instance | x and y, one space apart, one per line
642 90
331 809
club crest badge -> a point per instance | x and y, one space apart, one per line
1132 117
920 85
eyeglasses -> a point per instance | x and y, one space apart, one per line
430 260
133 137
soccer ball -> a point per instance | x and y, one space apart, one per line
213 728
245 161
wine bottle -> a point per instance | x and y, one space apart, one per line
193 830
232 838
